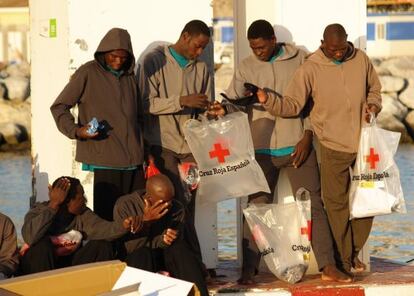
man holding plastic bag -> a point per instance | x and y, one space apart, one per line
280 143
344 87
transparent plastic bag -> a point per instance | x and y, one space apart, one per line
282 234
223 150
375 178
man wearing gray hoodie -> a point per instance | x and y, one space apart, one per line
106 89
345 90
175 87
281 143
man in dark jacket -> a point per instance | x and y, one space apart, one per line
158 241
106 89
9 256
54 231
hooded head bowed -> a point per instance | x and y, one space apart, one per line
116 39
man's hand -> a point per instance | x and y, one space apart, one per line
58 193
215 110
155 211
302 149
262 96
371 108
194 101
132 223
82 133
169 236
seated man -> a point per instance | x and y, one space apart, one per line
9 257
161 220
55 230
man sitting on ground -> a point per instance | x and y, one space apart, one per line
159 233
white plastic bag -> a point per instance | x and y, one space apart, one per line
66 243
375 179
223 150
282 234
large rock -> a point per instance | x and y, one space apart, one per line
401 66
3 90
410 120
392 115
15 112
13 134
17 87
392 84
407 96
18 69
392 107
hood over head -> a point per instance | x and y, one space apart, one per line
116 38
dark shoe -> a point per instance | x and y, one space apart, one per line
333 274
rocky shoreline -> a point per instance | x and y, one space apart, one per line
397 79
15 107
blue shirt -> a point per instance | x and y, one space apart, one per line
278 54
276 152
181 60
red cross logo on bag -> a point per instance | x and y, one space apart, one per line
219 152
307 230
372 158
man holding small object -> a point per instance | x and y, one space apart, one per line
108 131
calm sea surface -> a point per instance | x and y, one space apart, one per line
392 236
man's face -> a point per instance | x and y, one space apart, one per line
116 59
194 45
77 205
335 47
263 49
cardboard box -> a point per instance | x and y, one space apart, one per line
94 279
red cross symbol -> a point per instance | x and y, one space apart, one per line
307 230
372 158
219 152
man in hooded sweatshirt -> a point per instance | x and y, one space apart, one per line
345 90
175 87
106 89
281 143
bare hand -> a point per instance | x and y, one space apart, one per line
371 109
216 109
58 193
155 211
302 149
195 101
82 133
132 223
169 236
262 96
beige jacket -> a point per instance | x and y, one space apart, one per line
162 82
268 131
339 94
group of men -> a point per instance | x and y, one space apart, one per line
327 93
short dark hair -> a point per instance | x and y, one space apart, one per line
196 27
74 183
334 30
260 29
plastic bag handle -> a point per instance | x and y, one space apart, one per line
372 119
